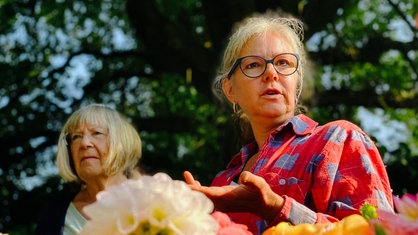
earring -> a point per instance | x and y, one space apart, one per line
235 107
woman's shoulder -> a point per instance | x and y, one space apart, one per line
51 216
341 125
344 130
58 202
309 125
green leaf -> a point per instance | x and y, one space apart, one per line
368 211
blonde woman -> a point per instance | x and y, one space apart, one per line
97 148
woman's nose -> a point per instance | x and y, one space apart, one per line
270 74
86 140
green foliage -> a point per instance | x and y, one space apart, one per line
154 62
368 211
188 148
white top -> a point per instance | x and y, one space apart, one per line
74 221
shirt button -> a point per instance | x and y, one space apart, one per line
282 181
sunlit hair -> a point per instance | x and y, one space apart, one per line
124 141
288 26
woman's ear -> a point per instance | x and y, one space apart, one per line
227 89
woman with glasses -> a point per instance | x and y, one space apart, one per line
97 148
289 168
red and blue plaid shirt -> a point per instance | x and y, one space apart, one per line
324 173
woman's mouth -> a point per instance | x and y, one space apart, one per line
271 92
88 157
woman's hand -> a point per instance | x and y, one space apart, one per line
188 177
252 194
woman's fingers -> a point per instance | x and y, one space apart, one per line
188 177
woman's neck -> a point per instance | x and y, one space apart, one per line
92 187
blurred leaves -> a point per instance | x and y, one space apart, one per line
154 62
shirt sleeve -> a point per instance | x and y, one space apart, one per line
297 213
350 174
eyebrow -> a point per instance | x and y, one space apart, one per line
92 128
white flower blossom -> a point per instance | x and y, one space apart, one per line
150 205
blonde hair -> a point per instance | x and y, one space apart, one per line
125 148
288 26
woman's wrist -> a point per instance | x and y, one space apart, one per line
273 209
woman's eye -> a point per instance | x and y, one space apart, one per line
75 137
285 63
252 65
97 133
282 62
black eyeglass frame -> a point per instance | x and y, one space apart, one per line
238 63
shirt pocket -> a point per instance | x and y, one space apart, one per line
291 186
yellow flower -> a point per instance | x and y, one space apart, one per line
350 225
288 229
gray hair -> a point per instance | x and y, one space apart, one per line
290 27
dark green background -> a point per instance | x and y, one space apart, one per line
163 82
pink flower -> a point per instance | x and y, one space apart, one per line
405 221
407 205
227 227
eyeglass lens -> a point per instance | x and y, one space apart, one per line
255 66
93 135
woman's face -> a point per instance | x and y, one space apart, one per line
89 147
269 98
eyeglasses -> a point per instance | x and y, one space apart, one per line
254 66
94 135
